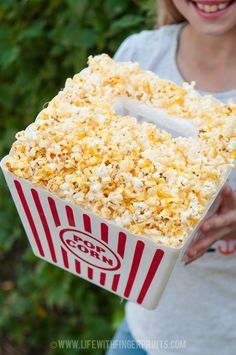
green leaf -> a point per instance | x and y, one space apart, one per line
127 21
33 31
78 7
9 56
116 7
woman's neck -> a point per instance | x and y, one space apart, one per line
208 60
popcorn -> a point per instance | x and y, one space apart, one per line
129 172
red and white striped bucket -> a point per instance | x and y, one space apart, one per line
133 267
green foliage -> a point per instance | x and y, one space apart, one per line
41 44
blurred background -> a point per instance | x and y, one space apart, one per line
42 42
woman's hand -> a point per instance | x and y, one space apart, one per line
221 226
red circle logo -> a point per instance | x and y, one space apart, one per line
89 249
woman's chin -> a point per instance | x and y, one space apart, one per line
216 29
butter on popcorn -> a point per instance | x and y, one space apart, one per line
130 172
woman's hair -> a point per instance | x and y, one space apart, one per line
168 14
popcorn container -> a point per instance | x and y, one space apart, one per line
133 267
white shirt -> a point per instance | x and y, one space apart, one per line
198 307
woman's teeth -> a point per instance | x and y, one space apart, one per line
211 8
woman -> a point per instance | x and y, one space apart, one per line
195 42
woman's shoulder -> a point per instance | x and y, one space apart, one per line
137 43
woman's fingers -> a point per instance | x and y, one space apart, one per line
229 200
219 221
226 212
218 227
189 259
227 190
200 246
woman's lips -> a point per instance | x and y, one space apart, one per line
212 9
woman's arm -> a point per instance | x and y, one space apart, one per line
221 226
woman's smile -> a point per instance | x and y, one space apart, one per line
212 9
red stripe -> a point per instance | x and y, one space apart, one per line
53 208
102 278
115 282
65 258
121 244
104 232
150 275
77 266
87 223
29 217
70 216
90 273
134 267
44 224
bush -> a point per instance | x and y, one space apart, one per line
41 44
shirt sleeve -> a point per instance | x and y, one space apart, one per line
126 50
